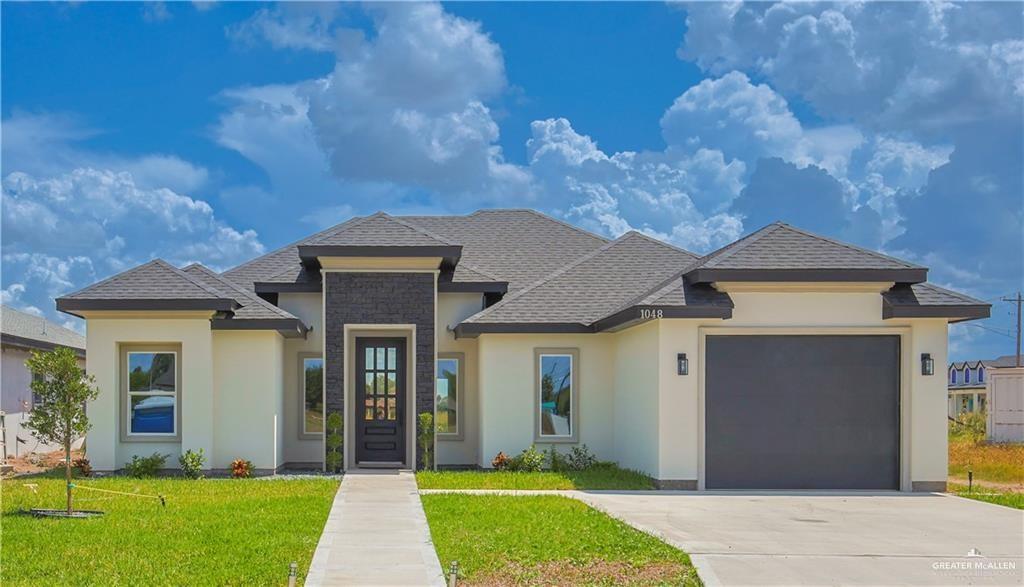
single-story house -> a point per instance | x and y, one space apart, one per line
968 384
783 360
20 334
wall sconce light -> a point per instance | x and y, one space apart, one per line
682 364
927 364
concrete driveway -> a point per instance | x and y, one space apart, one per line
830 538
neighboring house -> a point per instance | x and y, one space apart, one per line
20 334
785 360
968 381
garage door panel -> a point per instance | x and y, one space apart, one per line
802 412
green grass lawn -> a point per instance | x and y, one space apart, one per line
599 477
547 540
218 531
1013 499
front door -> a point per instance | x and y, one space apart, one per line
380 400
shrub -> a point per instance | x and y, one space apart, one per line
192 463
500 461
145 466
529 461
335 441
557 461
83 466
425 438
969 425
580 458
241 468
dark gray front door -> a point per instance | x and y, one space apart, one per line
802 412
380 400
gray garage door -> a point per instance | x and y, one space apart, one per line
802 412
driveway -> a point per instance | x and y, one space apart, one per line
830 538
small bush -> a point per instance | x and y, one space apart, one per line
425 438
141 467
192 463
335 441
241 468
83 466
580 458
969 425
529 461
500 461
557 461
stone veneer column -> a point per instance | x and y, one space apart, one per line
379 298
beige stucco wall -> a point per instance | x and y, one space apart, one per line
453 308
103 337
619 420
308 307
636 398
248 398
507 387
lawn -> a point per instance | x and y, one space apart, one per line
1013 499
597 477
217 531
547 540
998 463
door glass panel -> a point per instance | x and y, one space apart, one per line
392 383
369 409
392 358
382 412
392 408
369 384
369 357
381 361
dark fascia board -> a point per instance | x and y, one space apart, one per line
472 286
30 343
280 287
908 275
473 329
72 305
309 253
288 327
958 313
634 314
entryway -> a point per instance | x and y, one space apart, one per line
380 386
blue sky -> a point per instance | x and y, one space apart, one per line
213 132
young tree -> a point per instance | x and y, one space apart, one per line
62 388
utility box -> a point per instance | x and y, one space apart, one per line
1006 405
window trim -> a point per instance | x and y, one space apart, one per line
574 399
125 397
981 374
953 377
460 396
303 357
967 375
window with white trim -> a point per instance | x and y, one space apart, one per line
967 374
981 374
952 376
555 384
447 392
312 395
152 393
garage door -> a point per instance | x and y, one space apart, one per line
802 412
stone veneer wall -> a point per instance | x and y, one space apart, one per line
379 298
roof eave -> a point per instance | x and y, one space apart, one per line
474 329
31 343
955 313
644 312
73 305
287 327
283 287
310 254
472 287
710 275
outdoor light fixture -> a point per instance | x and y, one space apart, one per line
682 364
927 364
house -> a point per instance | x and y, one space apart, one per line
968 383
20 334
783 360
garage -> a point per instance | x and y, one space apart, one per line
802 412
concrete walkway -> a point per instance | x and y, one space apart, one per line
376 534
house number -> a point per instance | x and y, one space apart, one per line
648 314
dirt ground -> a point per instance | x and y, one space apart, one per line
38 462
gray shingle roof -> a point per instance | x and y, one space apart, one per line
783 249
252 307
377 230
155 280
517 246
27 328
922 300
591 287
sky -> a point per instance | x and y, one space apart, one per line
214 132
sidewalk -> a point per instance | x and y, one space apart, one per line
376 534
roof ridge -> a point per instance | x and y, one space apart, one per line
852 247
564 223
190 279
105 280
419 229
556 273
738 245
289 245
661 242
249 296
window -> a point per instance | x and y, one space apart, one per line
36 400
556 395
981 374
152 393
967 374
981 402
312 380
952 376
448 393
